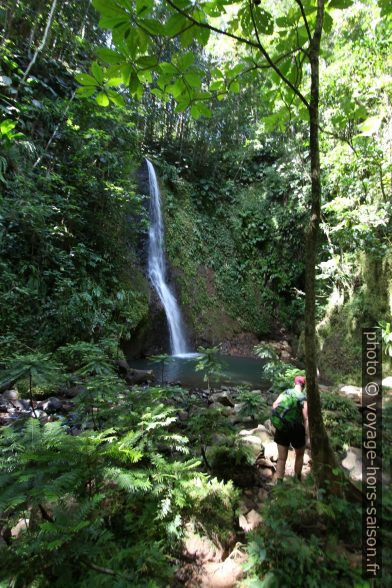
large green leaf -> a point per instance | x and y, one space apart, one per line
152 26
85 91
107 7
144 6
6 126
97 72
175 25
86 79
212 8
193 79
234 87
199 109
185 61
109 55
328 22
102 99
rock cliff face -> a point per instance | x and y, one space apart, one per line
151 336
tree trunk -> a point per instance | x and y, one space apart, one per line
324 461
43 42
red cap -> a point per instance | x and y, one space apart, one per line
300 380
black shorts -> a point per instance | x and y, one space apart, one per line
295 434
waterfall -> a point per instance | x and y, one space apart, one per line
157 268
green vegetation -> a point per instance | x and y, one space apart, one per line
300 530
269 125
109 499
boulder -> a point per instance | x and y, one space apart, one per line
271 450
354 392
264 462
221 575
200 547
22 405
52 405
21 525
226 410
262 433
269 427
11 395
39 414
133 376
139 376
72 391
253 442
352 462
223 398
251 520
122 367
387 382
266 473
238 407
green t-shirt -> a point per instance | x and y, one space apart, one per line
289 411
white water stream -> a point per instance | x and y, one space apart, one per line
157 268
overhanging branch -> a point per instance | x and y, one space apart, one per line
244 41
205 25
301 7
272 64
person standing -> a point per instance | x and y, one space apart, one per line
290 419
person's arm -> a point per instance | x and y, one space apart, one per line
277 401
306 422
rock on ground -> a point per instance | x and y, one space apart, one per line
352 462
51 405
253 442
200 547
354 392
260 432
249 521
206 567
222 398
21 525
221 575
11 395
387 382
271 450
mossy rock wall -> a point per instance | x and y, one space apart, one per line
340 333
230 267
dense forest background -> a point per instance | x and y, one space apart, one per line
74 294
235 196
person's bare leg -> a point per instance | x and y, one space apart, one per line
281 464
299 461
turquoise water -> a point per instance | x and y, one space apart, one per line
235 371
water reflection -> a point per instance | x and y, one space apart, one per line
181 369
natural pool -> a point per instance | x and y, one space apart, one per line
236 371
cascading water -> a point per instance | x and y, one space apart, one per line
157 268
